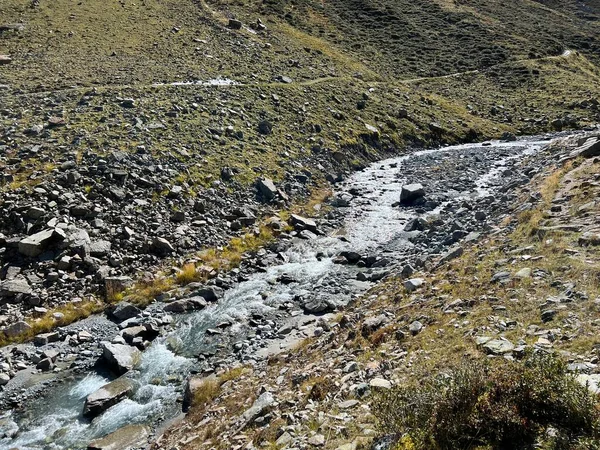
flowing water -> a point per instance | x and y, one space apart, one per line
371 223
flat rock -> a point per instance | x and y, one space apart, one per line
498 347
15 286
303 223
380 383
35 244
126 438
186 304
107 396
589 149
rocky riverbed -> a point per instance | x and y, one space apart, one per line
390 218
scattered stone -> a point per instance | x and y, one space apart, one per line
235 24
413 284
380 383
161 247
415 328
261 406
498 347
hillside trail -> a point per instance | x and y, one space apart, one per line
220 83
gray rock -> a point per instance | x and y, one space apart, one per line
416 224
14 286
413 284
45 365
209 293
35 244
235 24
261 406
548 315
267 188
590 148
380 383
500 277
107 396
17 329
318 440
303 223
161 247
186 305
589 238
415 328
498 347
100 248
451 254
120 358
411 193
46 338
124 310
126 438
35 213
4 379
372 324
265 127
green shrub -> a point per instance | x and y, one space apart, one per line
500 405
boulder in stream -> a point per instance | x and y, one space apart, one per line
120 358
107 396
411 194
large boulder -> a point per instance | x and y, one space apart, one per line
411 194
267 188
37 243
120 358
126 438
209 293
107 396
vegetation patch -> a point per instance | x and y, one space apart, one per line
497 406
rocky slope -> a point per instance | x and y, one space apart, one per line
152 155
528 283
